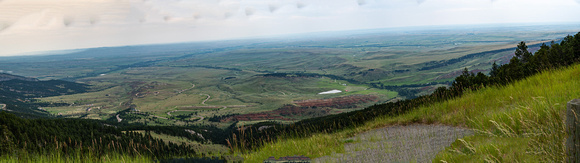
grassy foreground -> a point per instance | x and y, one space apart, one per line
60 158
514 123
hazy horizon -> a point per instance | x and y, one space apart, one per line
31 26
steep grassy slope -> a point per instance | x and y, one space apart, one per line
517 122
521 121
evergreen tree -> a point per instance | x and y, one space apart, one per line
6 140
494 70
463 81
522 52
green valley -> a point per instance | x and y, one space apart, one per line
308 95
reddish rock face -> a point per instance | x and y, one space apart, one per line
338 102
287 112
305 108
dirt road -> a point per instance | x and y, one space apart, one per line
118 118
208 96
192 86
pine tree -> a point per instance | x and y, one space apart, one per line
6 140
522 52
494 70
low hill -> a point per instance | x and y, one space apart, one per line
18 92
6 77
31 89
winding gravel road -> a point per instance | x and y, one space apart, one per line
208 96
181 91
412 143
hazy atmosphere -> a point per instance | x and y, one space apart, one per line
38 25
277 80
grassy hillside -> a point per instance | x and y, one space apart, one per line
517 122
184 100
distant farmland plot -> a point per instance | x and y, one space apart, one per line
272 78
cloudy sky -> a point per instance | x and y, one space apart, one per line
38 25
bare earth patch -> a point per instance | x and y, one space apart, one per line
412 143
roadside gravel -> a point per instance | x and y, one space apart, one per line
412 143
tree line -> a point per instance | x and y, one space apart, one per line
89 137
23 134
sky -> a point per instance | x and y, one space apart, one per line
39 25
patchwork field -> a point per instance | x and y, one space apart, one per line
250 81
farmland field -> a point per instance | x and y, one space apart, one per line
276 79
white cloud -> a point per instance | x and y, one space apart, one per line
31 25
